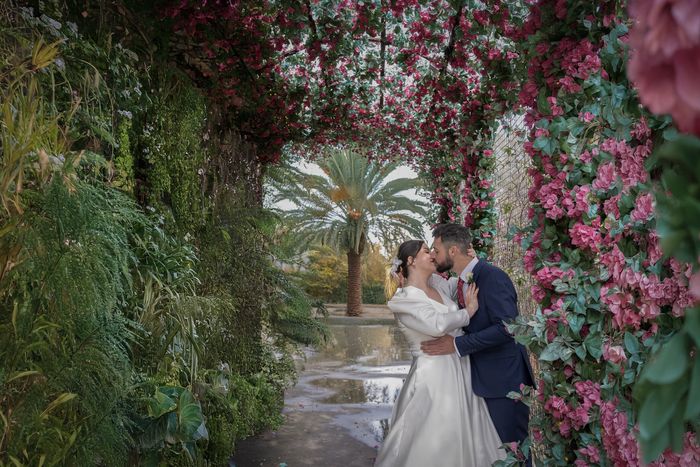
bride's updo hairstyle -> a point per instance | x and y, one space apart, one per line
408 249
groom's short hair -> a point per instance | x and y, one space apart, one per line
454 234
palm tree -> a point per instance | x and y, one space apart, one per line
352 201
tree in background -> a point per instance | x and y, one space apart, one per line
341 208
325 274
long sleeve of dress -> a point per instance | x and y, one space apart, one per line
416 311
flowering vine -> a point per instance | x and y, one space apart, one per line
608 297
414 79
426 81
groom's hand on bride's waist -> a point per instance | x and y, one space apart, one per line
444 345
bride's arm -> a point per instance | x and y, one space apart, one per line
422 316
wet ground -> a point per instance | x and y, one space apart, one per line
338 413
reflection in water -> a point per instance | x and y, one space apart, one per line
357 391
379 428
370 345
357 377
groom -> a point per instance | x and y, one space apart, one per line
499 364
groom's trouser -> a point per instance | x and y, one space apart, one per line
511 419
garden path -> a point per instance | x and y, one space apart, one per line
337 414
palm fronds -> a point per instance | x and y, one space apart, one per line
349 203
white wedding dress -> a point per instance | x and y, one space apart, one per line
437 419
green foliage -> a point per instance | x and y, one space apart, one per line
174 424
95 81
123 159
292 317
104 340
173 164
30 132
668 390
64 344
237 407
325 275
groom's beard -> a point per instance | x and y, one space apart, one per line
445 266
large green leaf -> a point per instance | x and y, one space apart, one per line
189 415
160 404
670 363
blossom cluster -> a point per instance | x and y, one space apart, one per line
665 60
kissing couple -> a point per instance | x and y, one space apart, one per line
453 409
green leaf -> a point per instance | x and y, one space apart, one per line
671 362
576 322
692 410
692 324
189 415
657 410
60 400
594 344
677 427
160 403
653 447
631 343
552 352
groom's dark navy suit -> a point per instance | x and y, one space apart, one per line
499 364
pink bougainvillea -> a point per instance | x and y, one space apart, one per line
601 280
665 59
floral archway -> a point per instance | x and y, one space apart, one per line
611 243
429 82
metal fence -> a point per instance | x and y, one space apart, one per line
511 183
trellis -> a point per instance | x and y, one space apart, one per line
511 183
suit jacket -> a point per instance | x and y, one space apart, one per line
499 364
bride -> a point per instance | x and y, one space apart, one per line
437 419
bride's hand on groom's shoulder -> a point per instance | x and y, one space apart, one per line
471 299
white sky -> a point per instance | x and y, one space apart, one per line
402 171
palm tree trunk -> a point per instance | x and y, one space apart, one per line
354 284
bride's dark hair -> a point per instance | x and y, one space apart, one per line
407 249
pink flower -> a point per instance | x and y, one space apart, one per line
665 60
556 406
529 259
644 207
538 293
694 286
654 248
548 274
541 132
614 353
641 130
585 236
618 439
611 206
688 457
589 392
591 451
605 177
568 371
586 117
556 110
